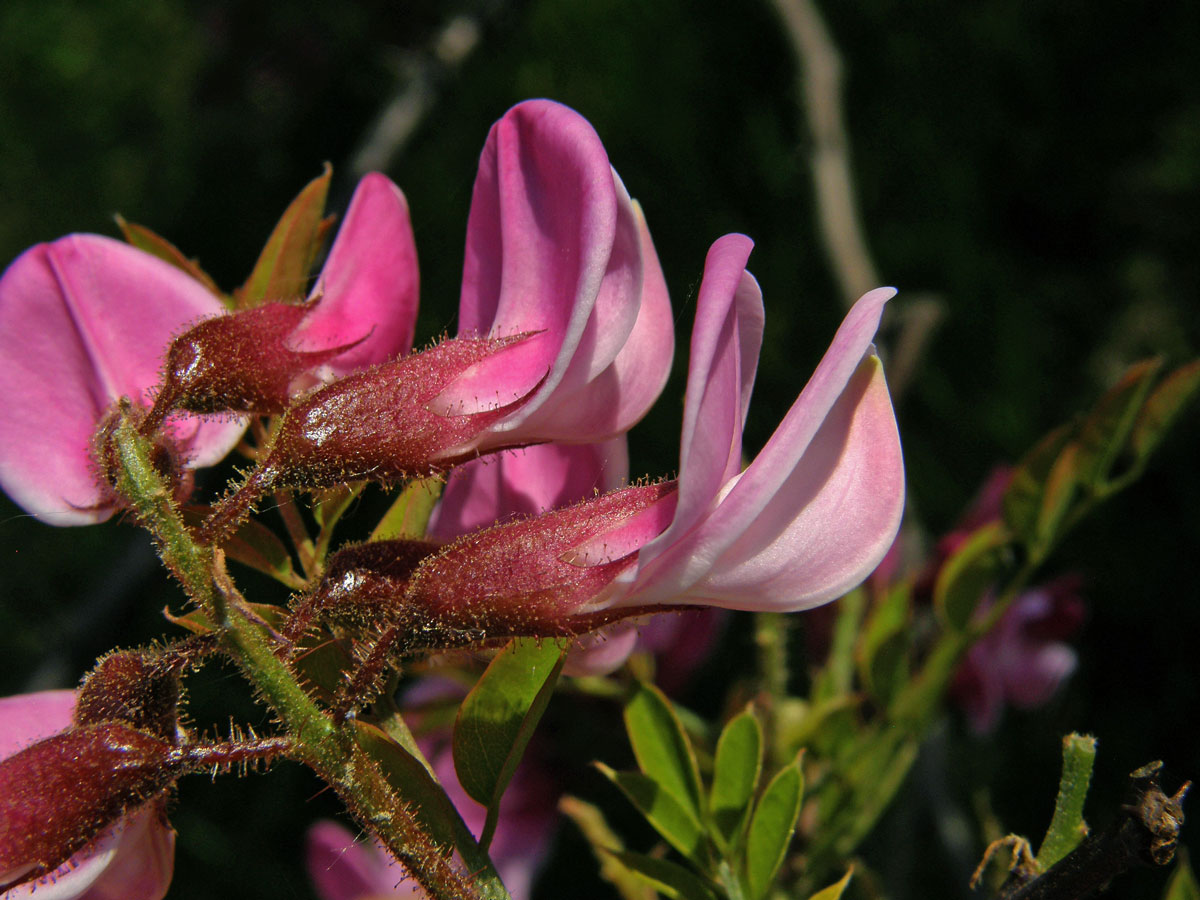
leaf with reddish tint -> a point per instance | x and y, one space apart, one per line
281 272
1163 407
1023 499
157 245
968 574
1102 434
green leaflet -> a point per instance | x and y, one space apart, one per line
771 828
497 719
662 748
736 771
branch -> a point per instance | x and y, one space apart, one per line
1145 834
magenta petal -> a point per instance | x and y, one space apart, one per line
725 343
369 285
526 482
83 321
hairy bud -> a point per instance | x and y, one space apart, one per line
376 424
362 584
139 688
238 363
59 794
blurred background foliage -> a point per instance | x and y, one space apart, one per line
1034 167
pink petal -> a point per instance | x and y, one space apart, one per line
601 394
823 528
369 285
813 514
84 321
526 482
555 246
725 342
345 868
27 718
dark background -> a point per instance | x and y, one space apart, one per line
1036 167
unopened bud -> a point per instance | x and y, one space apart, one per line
238 363
58 795
538 577
139 688
361 584
376 424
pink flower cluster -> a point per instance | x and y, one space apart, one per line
565 340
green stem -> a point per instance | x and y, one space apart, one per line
329 750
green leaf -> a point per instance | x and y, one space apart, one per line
1067 827
412 783
883 648
661 746
1182 885
1102 434
281 272
834 891
1163 407
497 719
1023 499
736 771
409 515
966 576
145 239
771 828
670 818
668 878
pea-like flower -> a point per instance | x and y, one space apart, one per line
806 521
86 320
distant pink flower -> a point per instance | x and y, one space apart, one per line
1023 660
805 522
133 860
86 320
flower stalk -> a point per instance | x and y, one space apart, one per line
331 751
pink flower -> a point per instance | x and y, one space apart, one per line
1023 660
84 321
87 320
805 522
133 860
557 250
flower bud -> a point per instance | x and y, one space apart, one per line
374 424
238 363
361 582
528 577
58 795
134 687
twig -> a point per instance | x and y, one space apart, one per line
1145 834
837 209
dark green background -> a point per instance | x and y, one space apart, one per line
1036 166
